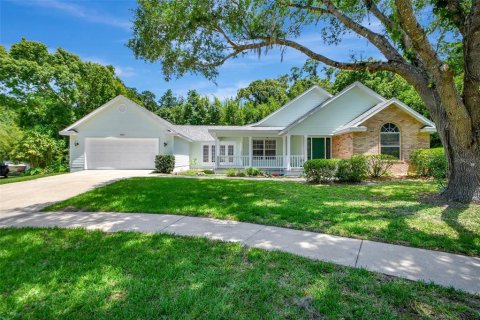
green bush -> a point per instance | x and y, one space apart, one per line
231 172
165 163
252 172
240 174
354 169
38 149
320 170
209 171
379 164
428 163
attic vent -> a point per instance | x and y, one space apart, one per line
122 108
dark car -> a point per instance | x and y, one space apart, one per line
4 170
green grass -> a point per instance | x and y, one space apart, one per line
391 211
13 179
76 274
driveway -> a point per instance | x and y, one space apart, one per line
30 196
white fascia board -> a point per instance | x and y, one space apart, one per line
428 129
400 104
315 87
328 101
350 129
114 100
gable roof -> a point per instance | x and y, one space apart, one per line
311 89
356 84
120 98
354 124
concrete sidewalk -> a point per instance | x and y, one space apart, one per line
460 272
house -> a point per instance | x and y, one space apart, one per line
316 124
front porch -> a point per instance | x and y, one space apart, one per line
286 153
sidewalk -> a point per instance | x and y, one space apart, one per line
446 269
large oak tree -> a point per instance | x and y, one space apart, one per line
429 43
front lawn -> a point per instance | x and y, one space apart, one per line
12 179
390 211
76 274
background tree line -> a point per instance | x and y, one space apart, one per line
43 92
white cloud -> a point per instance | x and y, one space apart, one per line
229 91
78 11
125 72
121 71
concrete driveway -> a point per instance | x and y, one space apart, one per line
29 196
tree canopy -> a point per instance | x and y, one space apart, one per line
433 45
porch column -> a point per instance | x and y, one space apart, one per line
284 153
250 151
217 152
305 156
288 151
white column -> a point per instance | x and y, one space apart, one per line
284 153
288 151
217 152
250 151
305 148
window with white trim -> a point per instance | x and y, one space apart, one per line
208 153
264 147
227 151
390 140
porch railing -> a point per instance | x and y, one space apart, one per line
233 161
266 162
297 161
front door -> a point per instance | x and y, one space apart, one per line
318 148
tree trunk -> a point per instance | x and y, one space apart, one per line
460 141
463 175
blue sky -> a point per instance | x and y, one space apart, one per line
97 30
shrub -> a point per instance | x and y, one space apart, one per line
209 171
231 172
353 169
379 164
239 173
428 163
38 149
320 170
165 163
252 172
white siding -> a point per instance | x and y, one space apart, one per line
132 123
295 110
337 113
181 150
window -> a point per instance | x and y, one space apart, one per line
390 140
227 152
208 153
264 148
213 154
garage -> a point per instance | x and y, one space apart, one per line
120 153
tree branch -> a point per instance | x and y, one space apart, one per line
376 39
417 35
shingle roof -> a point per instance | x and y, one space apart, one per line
196 133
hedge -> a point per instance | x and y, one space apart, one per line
428 163
320 170
354 169
165 163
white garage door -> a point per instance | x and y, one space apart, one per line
107 153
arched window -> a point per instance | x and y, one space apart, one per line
390 140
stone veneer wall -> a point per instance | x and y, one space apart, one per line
410 136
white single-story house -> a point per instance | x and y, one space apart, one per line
316 124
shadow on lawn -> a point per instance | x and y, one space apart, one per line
67 274
379 212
